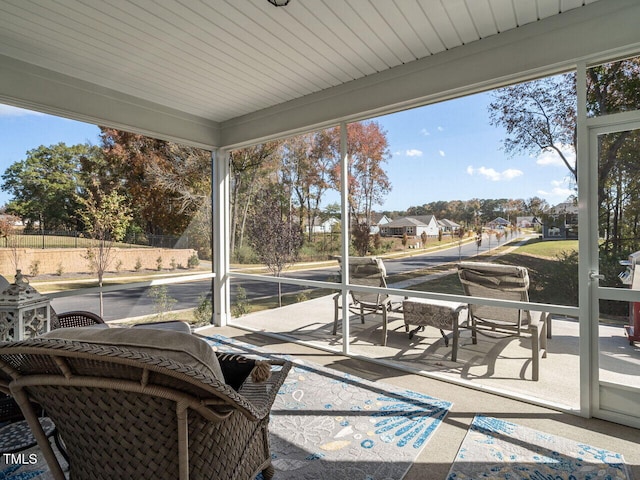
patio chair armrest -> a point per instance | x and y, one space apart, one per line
261 395
540 321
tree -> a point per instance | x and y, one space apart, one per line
368 183
250 167
145 169
44 185
274 236
190 188
539 115
425 238
306 166
106 218
611 88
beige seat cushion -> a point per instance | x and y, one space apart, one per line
180 347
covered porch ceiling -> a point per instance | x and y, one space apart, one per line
224 73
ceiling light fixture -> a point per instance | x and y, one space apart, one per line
279 3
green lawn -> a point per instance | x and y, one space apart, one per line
548 248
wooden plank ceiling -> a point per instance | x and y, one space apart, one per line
220 59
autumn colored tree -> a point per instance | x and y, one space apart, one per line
536 206
146 169
190 185
307 164
367 151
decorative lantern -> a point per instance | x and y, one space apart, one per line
24 313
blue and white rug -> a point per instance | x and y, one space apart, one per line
500 450
332 425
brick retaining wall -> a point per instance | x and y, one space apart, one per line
73 260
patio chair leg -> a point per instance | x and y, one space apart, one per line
384 327
544 334
446 339
474 332
336 307
547 322
535 353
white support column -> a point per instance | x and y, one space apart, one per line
345 230
588 326
220 236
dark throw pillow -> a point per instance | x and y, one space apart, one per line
236 368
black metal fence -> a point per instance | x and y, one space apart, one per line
67 239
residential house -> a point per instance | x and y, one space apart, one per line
561 222
498 223
322 226
448 226
411 226
378 219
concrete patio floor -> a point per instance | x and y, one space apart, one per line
497 364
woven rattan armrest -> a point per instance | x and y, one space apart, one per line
261 395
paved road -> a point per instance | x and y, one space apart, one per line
137 302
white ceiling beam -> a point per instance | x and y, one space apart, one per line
27 86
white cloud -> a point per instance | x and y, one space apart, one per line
425 132
558 192
494 175
560 189
440 129
550 157
9 111
413 153
441 152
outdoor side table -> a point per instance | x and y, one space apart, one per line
441 314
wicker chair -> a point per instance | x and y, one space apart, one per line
126 412
76 318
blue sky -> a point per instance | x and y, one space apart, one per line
449 151
446 151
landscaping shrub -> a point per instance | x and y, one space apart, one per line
203 313
193 261
245 255
241 306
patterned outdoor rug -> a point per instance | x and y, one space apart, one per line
327 424
324 424
495 449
